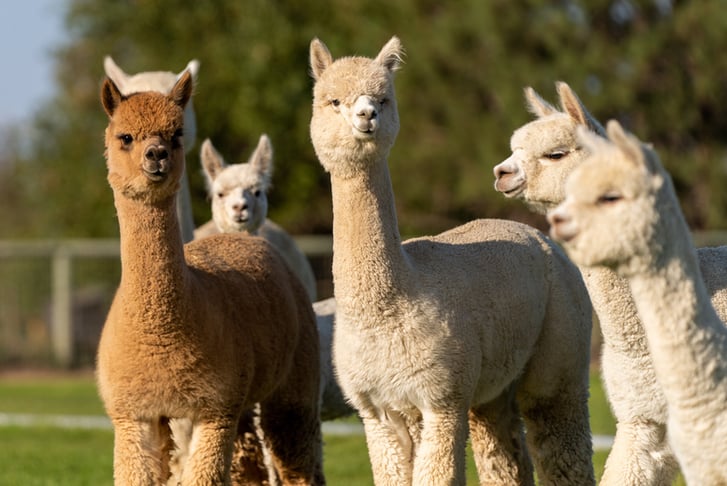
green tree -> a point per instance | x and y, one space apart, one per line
653 64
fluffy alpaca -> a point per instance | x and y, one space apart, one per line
545 152
163 81
240 204
199 332
486 321
623 185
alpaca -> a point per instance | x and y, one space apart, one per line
623 185
163 81
200 332
545 152
240 204
488 322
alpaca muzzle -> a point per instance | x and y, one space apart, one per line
156 164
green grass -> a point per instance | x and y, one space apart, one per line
46 456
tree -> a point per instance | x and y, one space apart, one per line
460 97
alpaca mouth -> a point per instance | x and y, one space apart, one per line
157 176
509 188
365 134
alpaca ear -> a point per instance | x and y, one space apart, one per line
573 106
115 73
320 58
193 68
537 105
262 158
110 97
212 161
627 143
182 89
391 55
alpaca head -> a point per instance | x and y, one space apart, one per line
355 118
161 81
144 146
238 191
615 201
545 151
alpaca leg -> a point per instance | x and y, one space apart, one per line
441 453
559 439
640 456
498 443
210 453
248 457
391 450
138 449
292 435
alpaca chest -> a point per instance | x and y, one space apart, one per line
400 369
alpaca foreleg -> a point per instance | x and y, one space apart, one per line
558 436
297 453
139 447
391 450
441 453
497 435
640 456
210 452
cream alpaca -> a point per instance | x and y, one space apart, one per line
545 152
163 81
623 185
483 321
240 204
198 332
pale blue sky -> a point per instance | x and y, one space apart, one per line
29 29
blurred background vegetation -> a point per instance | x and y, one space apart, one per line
656 65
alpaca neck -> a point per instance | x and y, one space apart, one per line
687 341
152 261
368 260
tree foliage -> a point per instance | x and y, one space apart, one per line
655 65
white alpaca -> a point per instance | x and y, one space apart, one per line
163 81
545 152
623 185
240 204
488 321
199 333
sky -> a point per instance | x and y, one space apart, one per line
29 29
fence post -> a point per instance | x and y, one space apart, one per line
62 320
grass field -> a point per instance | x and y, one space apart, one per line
50 456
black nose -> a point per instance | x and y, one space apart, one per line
156 153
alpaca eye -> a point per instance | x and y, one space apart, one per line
383 101
177 138
557 155
220 195
609 198
336 102
126 139
257 193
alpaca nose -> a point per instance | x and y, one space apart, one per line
504 169
156 153
367 112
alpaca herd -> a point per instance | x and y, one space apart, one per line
217 365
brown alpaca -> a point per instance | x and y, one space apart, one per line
198 332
